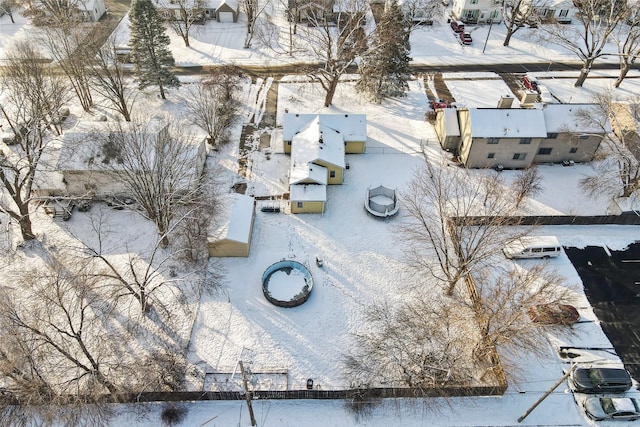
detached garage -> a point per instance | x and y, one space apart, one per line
227 11
233 237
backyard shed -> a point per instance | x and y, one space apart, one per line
227 11
233 237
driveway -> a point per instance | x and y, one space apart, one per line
612 284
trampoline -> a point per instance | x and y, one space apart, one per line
381 201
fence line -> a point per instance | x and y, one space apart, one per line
623 219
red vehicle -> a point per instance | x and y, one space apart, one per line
530 84
457 26
439 103
465 38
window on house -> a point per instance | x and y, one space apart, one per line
552 135
300 205
492 140
564 13
491 156
288 142
525 140
544 151
473 2
519 156
332 174
573 150
584 136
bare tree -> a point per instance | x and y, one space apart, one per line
627 38
8 6
517 13
334 39
528 183
253 10
181 15
501 308
421 12
71 49
422 344
161 166
52 12
597 19
213 106
456 222
34 97
618 171
109 79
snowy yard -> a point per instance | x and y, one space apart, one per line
363 261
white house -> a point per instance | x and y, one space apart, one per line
477 11
561 11
92 10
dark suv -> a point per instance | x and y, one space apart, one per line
600 380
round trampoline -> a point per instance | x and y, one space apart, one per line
287 283
381 202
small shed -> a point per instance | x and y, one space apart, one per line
233 237
227 11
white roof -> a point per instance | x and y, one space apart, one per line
507 123
233 4
562 118
237 226
308 193
353 127
308 172
317 142
451 126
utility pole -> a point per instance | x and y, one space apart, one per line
544 396
247 394
488 33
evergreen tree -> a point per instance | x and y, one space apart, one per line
384 70
150 47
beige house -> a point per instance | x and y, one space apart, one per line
570 138
517 137
318 144
233 237
493 137
89 164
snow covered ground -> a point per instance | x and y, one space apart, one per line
362 261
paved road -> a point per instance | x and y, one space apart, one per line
612 286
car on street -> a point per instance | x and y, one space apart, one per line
439 103
597 379
465 38
457 26
612 408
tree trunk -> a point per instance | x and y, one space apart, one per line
584 73
507 39
25 223
624 69
162 95
333 84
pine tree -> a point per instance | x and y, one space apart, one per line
150 47
384 70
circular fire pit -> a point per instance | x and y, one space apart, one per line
287 283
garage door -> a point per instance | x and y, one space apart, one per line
225 16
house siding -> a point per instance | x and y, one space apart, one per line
562 145
354 147
307 207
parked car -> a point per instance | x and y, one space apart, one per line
465 38
457 26
439 103
554 314
596 379
612 408
529 84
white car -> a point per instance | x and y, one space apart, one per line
612 408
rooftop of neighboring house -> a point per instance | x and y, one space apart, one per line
353 127
507 123
308 193
575 118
